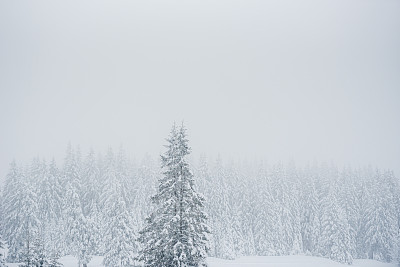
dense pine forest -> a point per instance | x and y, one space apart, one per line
97 204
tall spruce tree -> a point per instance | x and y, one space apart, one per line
176 233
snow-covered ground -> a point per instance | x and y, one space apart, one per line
291 261
278 261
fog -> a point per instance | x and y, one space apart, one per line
277 80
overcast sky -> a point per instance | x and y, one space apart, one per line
302 80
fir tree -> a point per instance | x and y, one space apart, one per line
119 235
144 188
78 228
11 222
381 227
90 185
176 232
335 236
120 247
2 260
30 224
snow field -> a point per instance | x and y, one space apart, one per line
255 261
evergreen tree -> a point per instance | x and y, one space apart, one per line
264 222
224 233
176 232
120 246
218 211
119 234
335 236
381 227
54 195
310 222
49 194
29 224
2 259
90 197
144 188
97 224
90 185
21 222
78 228
11 199
39 258
71 172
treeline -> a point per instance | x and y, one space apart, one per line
256 209
96 205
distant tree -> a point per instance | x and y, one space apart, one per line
53 261
39 259
71 174
2 259
143 189
224 232
30 223
119 233
49 198
176 232
263 223
78 228
90 200
335 237
310 222
11 222
90 193
209 186
219 209
120 247
381 226
21 222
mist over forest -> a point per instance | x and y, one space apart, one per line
97 204
199 133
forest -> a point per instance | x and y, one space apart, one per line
97 204
291 157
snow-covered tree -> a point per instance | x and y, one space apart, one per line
90 200
143 189
11 222
335 236
381 222
119 234
77 228
21 220
49 198
120 247
72 171
310 223
176 232
30 223
2 259
218 210
90 184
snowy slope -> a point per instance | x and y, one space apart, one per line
278 261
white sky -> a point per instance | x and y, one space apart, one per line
279 80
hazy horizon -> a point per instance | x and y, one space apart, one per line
276 80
